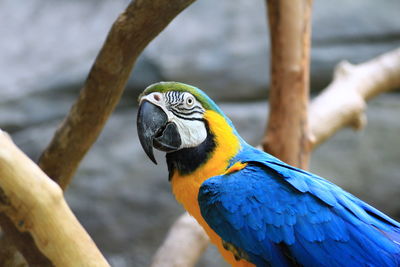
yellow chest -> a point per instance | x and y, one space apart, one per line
186 187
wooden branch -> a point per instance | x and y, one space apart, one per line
327 115
132 31
186 226
141 22
35 204
342 103
287 134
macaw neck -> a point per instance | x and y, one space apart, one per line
220 146
187 160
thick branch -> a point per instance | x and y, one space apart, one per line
132 31
35 204
286 135
328 114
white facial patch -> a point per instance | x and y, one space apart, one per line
192 132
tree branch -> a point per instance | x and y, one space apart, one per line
342 103
328 113
141 22
287 133
35 204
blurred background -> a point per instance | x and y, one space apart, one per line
121 198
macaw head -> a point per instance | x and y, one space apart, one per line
176 117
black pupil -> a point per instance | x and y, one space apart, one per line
190 101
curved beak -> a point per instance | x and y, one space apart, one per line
154 130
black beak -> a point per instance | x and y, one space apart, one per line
154 130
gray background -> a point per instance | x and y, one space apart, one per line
121 198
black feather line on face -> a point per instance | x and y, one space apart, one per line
187 160
177 111
186 118
176 97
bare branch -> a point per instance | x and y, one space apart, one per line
328 114
342 103
35 204
287 133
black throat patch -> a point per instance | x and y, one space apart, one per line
187 160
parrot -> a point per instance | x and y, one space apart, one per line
257 210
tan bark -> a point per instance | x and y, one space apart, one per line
287 135
141 22
35 204
328 114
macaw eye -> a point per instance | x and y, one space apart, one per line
189 101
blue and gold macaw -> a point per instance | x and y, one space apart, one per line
255 208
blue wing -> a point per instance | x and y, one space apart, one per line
278 215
